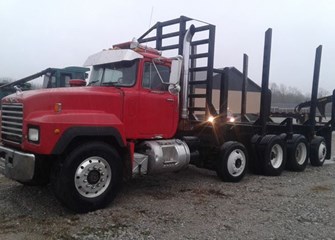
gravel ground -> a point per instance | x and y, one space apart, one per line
193 204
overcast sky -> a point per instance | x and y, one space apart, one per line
37 34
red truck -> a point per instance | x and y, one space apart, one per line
138 116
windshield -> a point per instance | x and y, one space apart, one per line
121 74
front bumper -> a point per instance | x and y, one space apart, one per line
17 165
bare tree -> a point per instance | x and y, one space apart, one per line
323 92
286 95
4 80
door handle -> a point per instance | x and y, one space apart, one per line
170 100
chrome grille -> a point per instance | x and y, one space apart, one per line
12 122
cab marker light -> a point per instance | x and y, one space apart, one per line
58 107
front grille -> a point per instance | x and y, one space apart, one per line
12 123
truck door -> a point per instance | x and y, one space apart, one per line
158 115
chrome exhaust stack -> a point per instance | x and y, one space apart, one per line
186 65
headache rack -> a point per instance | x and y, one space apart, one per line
168 36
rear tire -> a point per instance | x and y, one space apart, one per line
232 162
318 151
254 158
297 153
272 154
89 177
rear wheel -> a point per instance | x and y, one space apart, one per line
272 154
89 177
254 158
297 153
232 162
318 151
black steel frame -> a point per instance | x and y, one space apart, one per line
241 131
159 34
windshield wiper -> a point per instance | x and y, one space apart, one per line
90 83
114 84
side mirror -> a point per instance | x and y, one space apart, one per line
176 66
174 89
77 83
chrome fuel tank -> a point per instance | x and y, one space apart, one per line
165 155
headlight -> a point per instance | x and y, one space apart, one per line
33 134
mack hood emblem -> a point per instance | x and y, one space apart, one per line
11 100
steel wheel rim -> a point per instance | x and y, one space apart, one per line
236 162
92 177
301 153
322 151
276 156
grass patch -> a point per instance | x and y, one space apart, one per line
321 188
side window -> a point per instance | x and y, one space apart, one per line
67 80
146 75
52 82
153 79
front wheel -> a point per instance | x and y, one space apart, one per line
232 162
89 177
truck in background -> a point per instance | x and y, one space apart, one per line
52 78
138 116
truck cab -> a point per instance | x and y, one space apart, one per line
60 77
143 76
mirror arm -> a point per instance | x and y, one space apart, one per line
159 75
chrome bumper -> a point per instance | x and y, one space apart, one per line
16 165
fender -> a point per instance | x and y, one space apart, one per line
73 132
58 130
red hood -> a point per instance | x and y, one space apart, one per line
99 99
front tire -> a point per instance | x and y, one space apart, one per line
232 162
89 177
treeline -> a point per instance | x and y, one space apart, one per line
5 80
282 94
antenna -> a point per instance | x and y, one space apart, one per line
152 11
